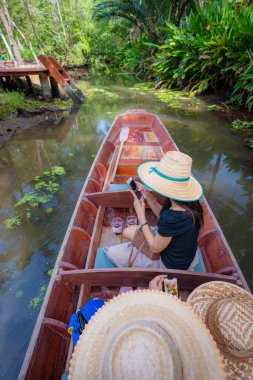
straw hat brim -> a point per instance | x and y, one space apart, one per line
194 344
188 191
201 299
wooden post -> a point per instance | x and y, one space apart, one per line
73 94
29 84
8 83
45 88
1 83
54 88
14 86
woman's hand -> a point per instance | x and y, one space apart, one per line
139 206
142 189
157 282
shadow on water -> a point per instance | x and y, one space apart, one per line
28 252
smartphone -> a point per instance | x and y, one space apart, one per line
133 186
170 286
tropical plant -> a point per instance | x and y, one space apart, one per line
135 57
212 49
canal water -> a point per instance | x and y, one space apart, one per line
27 253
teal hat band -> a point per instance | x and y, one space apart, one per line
154 169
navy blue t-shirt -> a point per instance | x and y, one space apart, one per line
181 251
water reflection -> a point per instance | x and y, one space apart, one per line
29 252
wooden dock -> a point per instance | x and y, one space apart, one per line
50 73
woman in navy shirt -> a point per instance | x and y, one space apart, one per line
179 219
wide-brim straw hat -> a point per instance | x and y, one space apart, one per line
171 177
227 311
145 335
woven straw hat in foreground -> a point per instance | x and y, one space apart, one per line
171 177
227 311
145 335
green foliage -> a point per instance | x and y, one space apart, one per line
65 29
135 58
45 188
9 102
176 42
212 49
149 16
106 39
239 124
243 89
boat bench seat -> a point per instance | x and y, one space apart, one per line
118 186
102 261
198 264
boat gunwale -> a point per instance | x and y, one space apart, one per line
38 323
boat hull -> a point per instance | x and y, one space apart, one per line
74 279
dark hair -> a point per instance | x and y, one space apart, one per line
193 208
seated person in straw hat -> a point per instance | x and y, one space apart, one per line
179 218
226 310
145 335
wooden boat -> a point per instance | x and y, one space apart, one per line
75 280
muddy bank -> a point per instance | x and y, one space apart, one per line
25 120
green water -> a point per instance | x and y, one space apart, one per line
220 161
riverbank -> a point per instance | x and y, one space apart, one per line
11 102
19 113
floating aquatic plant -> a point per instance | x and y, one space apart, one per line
45 188
50 272
34 303
49 210
97 90
181 102
13 222
214 107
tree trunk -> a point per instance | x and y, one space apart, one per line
28 43
61 22
7 22
7 46
32 25
201 4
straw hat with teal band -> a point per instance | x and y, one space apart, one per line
171 177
